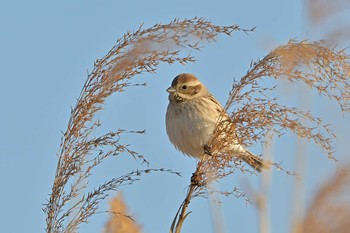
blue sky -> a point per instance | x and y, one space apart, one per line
46 51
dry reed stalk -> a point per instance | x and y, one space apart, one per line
216 211
261 198
323 69
137 52
301 162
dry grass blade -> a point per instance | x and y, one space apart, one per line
136 52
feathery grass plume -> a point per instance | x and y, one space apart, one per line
330 208
256 113
137 52
120 220
321 10
329 15
320 68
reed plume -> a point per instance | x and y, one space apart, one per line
329 210
255 111
120 220
136 52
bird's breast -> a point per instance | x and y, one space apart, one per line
189 126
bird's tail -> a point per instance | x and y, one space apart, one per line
255 161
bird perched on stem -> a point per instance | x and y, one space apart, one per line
191 118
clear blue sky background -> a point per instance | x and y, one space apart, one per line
46 50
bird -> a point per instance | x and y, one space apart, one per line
191 117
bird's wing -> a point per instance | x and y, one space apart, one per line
223 115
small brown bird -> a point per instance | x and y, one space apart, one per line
191 118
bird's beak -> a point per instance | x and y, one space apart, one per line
171 90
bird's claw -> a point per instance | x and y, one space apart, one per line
207 150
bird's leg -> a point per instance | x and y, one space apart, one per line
207 150
194 179
197 178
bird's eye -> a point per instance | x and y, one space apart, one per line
184 87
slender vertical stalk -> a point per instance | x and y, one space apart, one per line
266 178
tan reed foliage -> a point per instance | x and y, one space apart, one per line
331 17
256 113
321 10
120 220
330 208
137 52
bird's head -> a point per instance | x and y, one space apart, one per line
186 87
